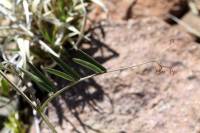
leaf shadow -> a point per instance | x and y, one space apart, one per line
81 95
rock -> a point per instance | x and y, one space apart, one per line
139 100
126 9
160 8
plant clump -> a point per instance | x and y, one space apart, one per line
39 41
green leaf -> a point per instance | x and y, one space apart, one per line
67 69
46 36
14 124
5 87
39 74
86 58
60 74
41 83
2 66
88 65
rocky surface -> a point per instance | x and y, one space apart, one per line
143 99
126 9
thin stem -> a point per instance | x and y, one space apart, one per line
131 67
32 96
54 95
46 120
44 117
18 90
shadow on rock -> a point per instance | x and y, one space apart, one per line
88 92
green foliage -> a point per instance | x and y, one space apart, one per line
38 80
88 65
85 60
43 30
66 68
14 124
60 74
4 87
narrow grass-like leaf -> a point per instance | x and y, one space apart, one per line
31 75
46 36
88 65
40 75
60 74
74 29
42 84
83 56
5 87
67 69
